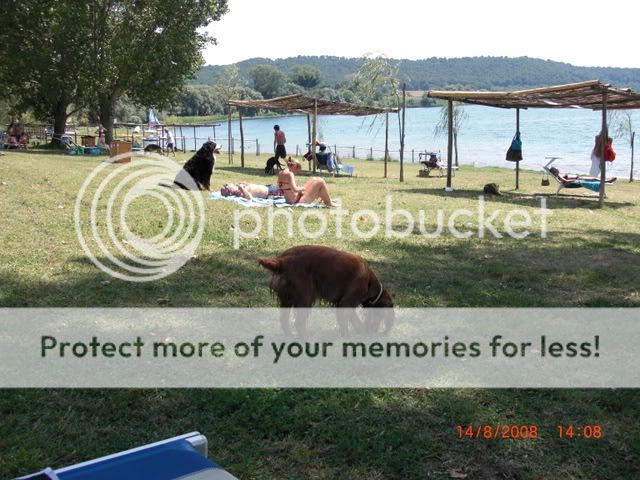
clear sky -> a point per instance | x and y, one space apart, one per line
585 33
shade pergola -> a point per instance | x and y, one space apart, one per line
593 95
313 107
299 103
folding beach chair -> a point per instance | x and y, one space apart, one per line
590 183
183 457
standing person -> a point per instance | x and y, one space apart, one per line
170 141
595 158
102 133
279 139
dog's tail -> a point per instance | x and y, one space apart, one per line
272 264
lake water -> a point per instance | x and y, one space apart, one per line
483 139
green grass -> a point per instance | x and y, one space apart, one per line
589 258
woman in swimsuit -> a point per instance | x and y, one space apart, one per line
250 190
314 189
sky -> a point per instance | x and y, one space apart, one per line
560 30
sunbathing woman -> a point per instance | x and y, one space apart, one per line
572 176
250 190
314 189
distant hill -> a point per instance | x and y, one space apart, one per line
469 73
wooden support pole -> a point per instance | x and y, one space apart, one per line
518 162
603 142
229 138
450 146
315 133
386 144
241 138
404 109
633 137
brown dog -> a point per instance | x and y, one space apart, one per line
302 275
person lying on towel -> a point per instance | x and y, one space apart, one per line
249 190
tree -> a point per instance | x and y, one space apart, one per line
623 127
268 80
442 127
376 82
45 58
305 75
147 49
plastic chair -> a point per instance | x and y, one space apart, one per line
183 457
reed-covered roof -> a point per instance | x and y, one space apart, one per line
574 95
304 104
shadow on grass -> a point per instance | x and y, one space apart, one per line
527 200
330 433
575 268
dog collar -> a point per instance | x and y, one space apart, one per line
379 295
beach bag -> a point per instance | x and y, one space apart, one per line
514 154
545 180
609 153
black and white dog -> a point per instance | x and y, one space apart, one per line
196 173
272 164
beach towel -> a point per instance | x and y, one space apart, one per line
278 202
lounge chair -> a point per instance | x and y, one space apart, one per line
183 457
575 181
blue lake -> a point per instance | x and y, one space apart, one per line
483 139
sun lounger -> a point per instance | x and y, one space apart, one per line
589 183
183 457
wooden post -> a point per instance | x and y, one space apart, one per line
311 148
603 142
229 139
518 162
354 152
315 132
633 137
371 153
450 146
241 138
404 109
257 148
184 146
386 144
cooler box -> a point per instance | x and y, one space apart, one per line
88 140
118 147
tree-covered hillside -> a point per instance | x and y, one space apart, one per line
477 73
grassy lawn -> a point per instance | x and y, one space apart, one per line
589 258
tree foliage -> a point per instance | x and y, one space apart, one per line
268 80
147 49
45 56
306 76
55 54
470 73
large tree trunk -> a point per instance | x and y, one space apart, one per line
107 108
59 124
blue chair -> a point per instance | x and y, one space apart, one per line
183 457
